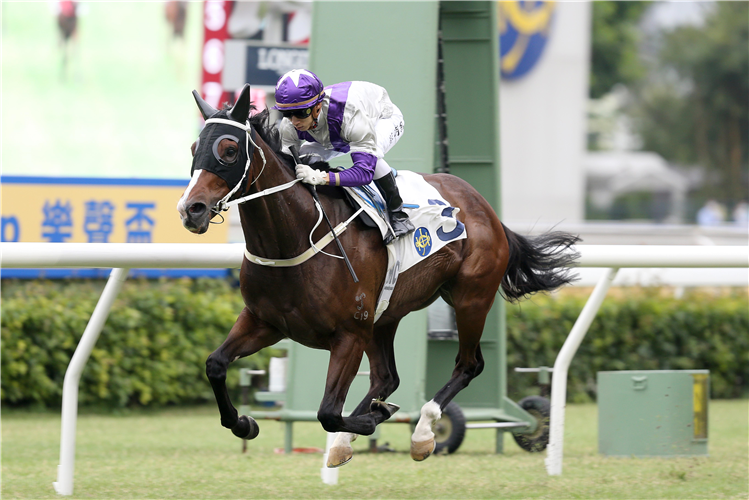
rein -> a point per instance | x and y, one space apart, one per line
224 204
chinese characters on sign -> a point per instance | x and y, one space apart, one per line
57 222
97 210
139 225
97 222
93 210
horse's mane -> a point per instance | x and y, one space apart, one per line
261 123
272 137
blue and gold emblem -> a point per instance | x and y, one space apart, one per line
523 31
422 241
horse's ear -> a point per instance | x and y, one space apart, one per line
205 109
241 110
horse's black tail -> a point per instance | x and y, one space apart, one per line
538 264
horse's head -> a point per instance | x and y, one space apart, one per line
220 162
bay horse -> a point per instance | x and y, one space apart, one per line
238 159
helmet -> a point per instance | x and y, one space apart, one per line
298 89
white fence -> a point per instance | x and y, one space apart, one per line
612 258
122 257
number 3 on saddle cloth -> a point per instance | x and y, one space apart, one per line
433 218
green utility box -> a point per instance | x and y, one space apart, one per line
653 413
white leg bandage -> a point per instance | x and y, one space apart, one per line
430 413
344 439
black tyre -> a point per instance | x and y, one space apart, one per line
540 408
449 430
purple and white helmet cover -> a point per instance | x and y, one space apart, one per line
298 89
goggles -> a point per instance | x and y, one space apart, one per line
299 113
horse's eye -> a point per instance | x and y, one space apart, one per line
226 149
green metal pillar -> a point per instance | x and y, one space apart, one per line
392 44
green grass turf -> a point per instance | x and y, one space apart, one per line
185 453
124 107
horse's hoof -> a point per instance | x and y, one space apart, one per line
246 428
339 455
387 409
421 451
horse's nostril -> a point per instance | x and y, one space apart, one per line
197 209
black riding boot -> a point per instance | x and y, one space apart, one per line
398 218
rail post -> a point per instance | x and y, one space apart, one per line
562 364
64 483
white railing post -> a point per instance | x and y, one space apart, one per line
562 364
64 484
328 475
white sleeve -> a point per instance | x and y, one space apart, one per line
289 136
359 131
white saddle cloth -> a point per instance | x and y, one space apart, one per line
431 215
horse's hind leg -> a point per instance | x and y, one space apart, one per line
247 336
472 304
384 380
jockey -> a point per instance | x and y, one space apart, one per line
350 117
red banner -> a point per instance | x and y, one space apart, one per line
215 22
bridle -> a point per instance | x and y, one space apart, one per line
225 204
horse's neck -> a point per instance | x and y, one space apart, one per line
277 225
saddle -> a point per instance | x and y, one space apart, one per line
372 197
435 221
428 210
369 193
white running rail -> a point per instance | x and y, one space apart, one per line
124 256
121 257
615 257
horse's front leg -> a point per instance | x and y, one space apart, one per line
247 336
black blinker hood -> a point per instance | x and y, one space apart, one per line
206 154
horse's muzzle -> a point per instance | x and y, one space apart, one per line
196 218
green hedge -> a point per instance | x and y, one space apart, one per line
153 347
635 329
